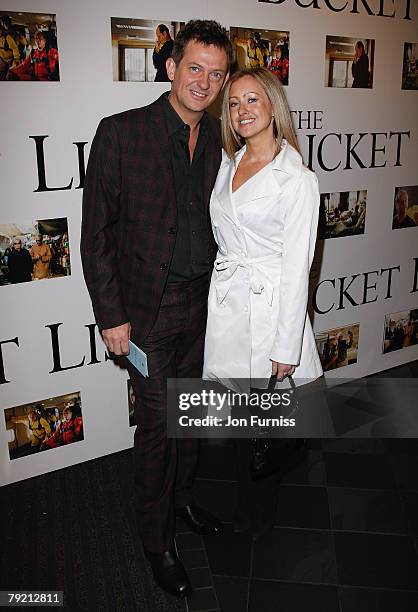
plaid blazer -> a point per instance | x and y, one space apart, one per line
129 215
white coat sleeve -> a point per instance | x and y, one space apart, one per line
300 227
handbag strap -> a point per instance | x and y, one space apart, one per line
295 399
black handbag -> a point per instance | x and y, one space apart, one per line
272 455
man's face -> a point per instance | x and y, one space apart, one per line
17 246
198 78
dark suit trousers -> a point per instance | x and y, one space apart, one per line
164 468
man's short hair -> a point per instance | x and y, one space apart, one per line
163 28
205 31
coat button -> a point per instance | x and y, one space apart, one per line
163 266
245 308
172 230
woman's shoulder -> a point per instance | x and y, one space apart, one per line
290 161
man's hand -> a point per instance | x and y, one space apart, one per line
281 370
116 339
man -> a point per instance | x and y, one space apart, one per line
162 51
147 251
19 263
254 55
41 256
401 218
9 51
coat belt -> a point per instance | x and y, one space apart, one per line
227 265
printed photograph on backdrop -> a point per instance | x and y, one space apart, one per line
349 62
131 404
410 66
140 48
405 207
28 47
254 47
401 330
45 424
37 250
338 347
342 214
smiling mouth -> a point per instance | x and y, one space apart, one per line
246 121
198 94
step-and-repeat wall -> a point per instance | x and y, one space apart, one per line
350 71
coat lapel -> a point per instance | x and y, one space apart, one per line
163 161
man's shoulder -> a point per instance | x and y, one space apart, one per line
135 116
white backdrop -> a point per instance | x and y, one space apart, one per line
68 111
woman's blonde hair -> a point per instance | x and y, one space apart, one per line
282 126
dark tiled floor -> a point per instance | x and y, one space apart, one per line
345 537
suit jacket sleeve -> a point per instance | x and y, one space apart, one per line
99 235
301 220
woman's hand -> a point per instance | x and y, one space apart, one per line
281 370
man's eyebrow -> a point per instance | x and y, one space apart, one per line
200 66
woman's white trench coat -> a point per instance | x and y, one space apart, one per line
257 309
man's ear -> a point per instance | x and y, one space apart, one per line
171 68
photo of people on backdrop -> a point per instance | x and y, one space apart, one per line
257 48
43 425
34 251
338 347
405 207
349 62
141 47
401 330
131 404
410 66
28 47
342 214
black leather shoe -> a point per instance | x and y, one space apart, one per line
169 572
200 521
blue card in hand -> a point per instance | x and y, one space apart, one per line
138 358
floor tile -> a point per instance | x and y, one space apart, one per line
410 500
230 554
373 560
271 596
189 541
300 506
193 558
310 472
202 599
231 593
296 555
359 471
402 446
200 577
364 510
377 600
405 468
217 497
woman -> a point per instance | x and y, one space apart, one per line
264 211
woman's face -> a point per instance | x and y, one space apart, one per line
249 108
40 42
278 52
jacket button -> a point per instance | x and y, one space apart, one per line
172 230
163 266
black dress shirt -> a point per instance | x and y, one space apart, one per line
190 258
